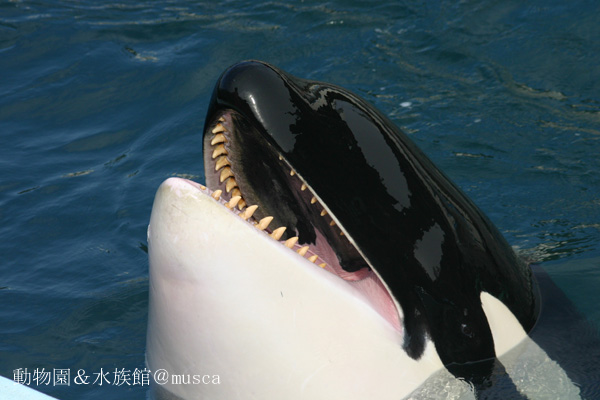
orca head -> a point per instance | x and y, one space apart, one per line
371 207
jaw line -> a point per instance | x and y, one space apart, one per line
228 242
225 140
231 292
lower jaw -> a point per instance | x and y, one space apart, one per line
364 280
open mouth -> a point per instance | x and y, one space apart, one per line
322 171
250 177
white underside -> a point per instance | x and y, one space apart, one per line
228 301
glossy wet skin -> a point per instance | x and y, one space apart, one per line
255 165
238 161
430 245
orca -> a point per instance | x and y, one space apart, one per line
382 280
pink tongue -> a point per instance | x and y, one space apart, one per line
364 280
379 297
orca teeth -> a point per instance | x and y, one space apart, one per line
248 212
277 233
218 129
302 251
233 202
220 150
219 138
216 194
242 204
227 175
314 199
291 242
263 223
221 162
231 184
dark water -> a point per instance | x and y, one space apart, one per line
101 101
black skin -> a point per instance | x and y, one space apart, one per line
257 166
428 242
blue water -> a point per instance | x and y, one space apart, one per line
101 101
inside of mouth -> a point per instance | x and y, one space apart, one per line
225 186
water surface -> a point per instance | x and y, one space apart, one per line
102 101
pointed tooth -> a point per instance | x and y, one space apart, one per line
313 200
221 162
231 183
342 234
219 150
302 251
312 259
219 138
303 188
216 194
292 173
291 242
219 128
226 173
263 223
242 203
277 233
248 212
221 119
322 265
323 213
233 202
202 187
236 192
280 158
332 223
